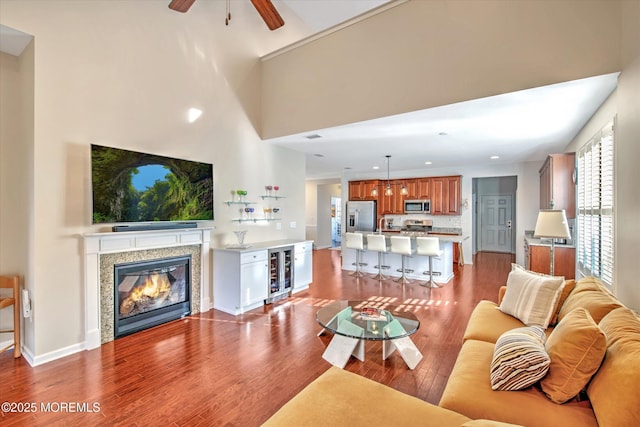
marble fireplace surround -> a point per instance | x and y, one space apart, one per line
103 250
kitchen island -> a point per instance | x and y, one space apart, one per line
442 265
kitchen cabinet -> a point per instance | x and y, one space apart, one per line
361 190
424 188
445 195
413 188
557 183
355 190
538 259
303 266
417 188
393 204
240 280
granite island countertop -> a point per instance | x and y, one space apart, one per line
413 234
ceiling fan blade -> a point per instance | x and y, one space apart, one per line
181 5
269 14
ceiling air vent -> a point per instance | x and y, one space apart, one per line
313 136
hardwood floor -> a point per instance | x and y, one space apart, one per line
218 369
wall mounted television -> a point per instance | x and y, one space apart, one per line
132 187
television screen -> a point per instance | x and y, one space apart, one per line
129 186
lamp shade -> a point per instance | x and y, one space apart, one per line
552 224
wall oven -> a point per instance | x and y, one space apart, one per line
417 206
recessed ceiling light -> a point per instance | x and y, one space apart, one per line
313 136
376 167
318 155
494 157
428 163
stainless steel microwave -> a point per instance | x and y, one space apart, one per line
417 206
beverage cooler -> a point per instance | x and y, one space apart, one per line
280 273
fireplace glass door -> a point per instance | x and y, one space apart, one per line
150 293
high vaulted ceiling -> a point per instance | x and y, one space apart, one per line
517 127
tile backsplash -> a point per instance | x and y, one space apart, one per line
439 221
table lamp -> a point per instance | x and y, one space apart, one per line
552 224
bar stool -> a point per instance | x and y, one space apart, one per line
378 243
402 245
356 241
430 247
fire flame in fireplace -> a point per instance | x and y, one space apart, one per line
154 285
154 290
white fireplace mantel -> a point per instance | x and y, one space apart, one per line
96 244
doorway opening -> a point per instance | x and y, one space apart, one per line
336 215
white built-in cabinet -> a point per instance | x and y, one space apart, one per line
241 276
239 280
303 266
254 274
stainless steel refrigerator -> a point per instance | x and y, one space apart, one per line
361 216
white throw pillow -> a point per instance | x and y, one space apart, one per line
531 297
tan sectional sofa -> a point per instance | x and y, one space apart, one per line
342 398
611 396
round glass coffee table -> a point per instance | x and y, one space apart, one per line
355 322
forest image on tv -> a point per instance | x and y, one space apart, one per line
136 187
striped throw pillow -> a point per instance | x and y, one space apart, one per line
531 297
519 359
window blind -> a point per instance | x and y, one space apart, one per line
595 203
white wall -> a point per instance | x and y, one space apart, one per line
16 170
627 268
423 54
605 112
624 103
124 74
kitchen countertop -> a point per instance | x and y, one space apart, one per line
446 230
533 241
443 237
256 246
434 230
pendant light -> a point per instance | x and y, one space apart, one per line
388 190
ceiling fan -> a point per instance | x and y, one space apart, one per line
265 8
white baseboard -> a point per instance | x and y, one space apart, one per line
52 355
